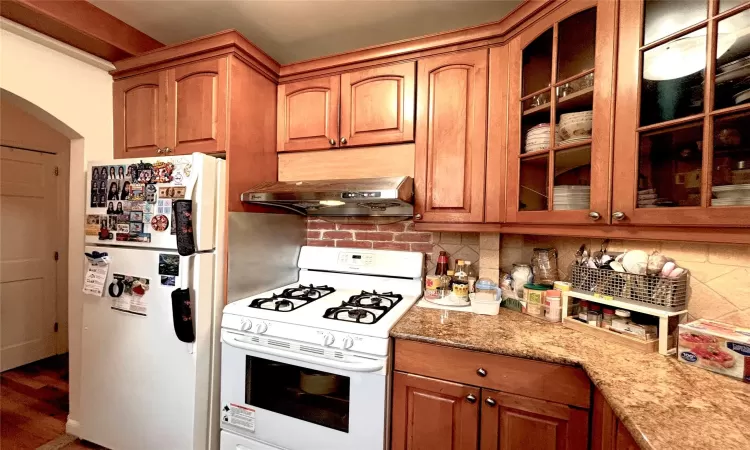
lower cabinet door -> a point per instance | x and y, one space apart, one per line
513 422
430 414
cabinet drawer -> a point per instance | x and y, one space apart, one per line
546 381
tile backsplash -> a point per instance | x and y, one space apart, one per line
719 273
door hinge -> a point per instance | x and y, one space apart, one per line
56 327
57 171
57 256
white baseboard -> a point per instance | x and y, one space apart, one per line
73 427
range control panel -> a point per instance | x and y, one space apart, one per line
354 259
360 194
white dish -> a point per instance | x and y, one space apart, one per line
741 97
572 187
576 125
732 191
730 201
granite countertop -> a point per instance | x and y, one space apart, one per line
664 403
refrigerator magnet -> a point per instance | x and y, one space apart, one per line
160 222
123 228
162 172
151 193
169 264
136 227
136 216
167 280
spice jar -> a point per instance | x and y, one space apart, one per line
544 266
607 315
583 311
594 317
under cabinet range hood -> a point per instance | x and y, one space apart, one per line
387 197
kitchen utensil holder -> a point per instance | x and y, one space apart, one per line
669 294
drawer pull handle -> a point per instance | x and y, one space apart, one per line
471 399
481 372
490 401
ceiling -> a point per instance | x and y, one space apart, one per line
292 31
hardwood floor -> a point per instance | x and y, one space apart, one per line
34 407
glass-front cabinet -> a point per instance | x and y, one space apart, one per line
559 116
682 124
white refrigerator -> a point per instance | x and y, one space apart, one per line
142 387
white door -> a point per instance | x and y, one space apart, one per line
28 206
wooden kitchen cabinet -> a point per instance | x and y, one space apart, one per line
139 109
308 114
559 116
513 422
682 134
449 168
366 107
433 414
197 107
180 110
607 432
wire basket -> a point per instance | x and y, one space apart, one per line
666 293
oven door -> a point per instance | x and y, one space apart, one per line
300 400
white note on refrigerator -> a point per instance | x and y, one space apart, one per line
95 277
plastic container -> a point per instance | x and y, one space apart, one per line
544 266
484 307
552 308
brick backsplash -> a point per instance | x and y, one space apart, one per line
400 236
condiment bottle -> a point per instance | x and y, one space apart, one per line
445 283
442 264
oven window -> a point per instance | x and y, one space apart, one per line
310 395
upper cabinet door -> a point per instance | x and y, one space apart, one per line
512 422
377 105
449 170
308 115
682 128
561 80
139 115
433 414
197 107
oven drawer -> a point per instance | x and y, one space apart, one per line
536 379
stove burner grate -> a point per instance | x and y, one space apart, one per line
366 307
292 298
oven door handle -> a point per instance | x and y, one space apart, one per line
370 366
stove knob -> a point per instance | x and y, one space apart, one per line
348 342
246 324
328 339
261 327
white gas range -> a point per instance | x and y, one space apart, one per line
306 366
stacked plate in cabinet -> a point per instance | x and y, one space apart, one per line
537 138
570 197
731 195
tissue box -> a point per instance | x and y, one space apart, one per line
717 347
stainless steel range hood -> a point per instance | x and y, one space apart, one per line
390 197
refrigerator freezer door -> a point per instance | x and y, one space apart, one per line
109 187
141 388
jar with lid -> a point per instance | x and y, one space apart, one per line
594 317
544 265
552 309
622 316
607 315
583 311
445 283
533 295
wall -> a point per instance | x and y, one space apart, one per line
22 130
720 274
72 92
480 249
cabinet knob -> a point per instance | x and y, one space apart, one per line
471 399
167 150
343 141
332 141
481 372
490 401
595 215
159 151
618 215
417 216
